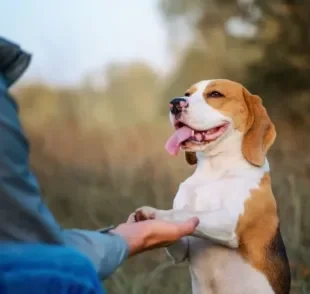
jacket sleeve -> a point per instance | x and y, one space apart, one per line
106 250
24 217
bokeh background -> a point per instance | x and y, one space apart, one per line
94 105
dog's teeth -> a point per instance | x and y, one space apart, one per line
198 137
193 133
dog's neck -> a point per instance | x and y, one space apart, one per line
226 159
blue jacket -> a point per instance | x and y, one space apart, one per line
24 216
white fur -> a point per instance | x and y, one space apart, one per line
216 194
220 270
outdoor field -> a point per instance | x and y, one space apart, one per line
97 146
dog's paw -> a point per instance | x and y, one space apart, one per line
145 213
131 219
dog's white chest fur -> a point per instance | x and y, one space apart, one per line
210 191
208 195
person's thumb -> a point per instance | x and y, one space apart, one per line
188 227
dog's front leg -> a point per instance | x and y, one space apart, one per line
218 225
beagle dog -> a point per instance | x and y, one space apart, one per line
237 247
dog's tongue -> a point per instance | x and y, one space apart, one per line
174 142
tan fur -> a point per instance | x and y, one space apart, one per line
260 131
232 104
248 114
257 231
258 224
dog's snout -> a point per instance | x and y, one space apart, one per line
177 105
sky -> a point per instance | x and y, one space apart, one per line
71 38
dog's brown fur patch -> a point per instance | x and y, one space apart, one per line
260 239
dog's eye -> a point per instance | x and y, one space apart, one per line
215 94
187 94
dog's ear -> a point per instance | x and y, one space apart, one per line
191 158
260 132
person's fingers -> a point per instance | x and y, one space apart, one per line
188 226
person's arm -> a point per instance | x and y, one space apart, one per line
24 217
108 250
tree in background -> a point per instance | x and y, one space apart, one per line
268 41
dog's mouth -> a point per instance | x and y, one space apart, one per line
186 136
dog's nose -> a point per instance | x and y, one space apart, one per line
177 105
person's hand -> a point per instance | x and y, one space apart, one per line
149 234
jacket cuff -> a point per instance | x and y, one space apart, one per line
106 250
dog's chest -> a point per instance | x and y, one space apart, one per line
207 195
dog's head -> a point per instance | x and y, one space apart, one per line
213 111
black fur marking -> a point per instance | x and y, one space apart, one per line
278 271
